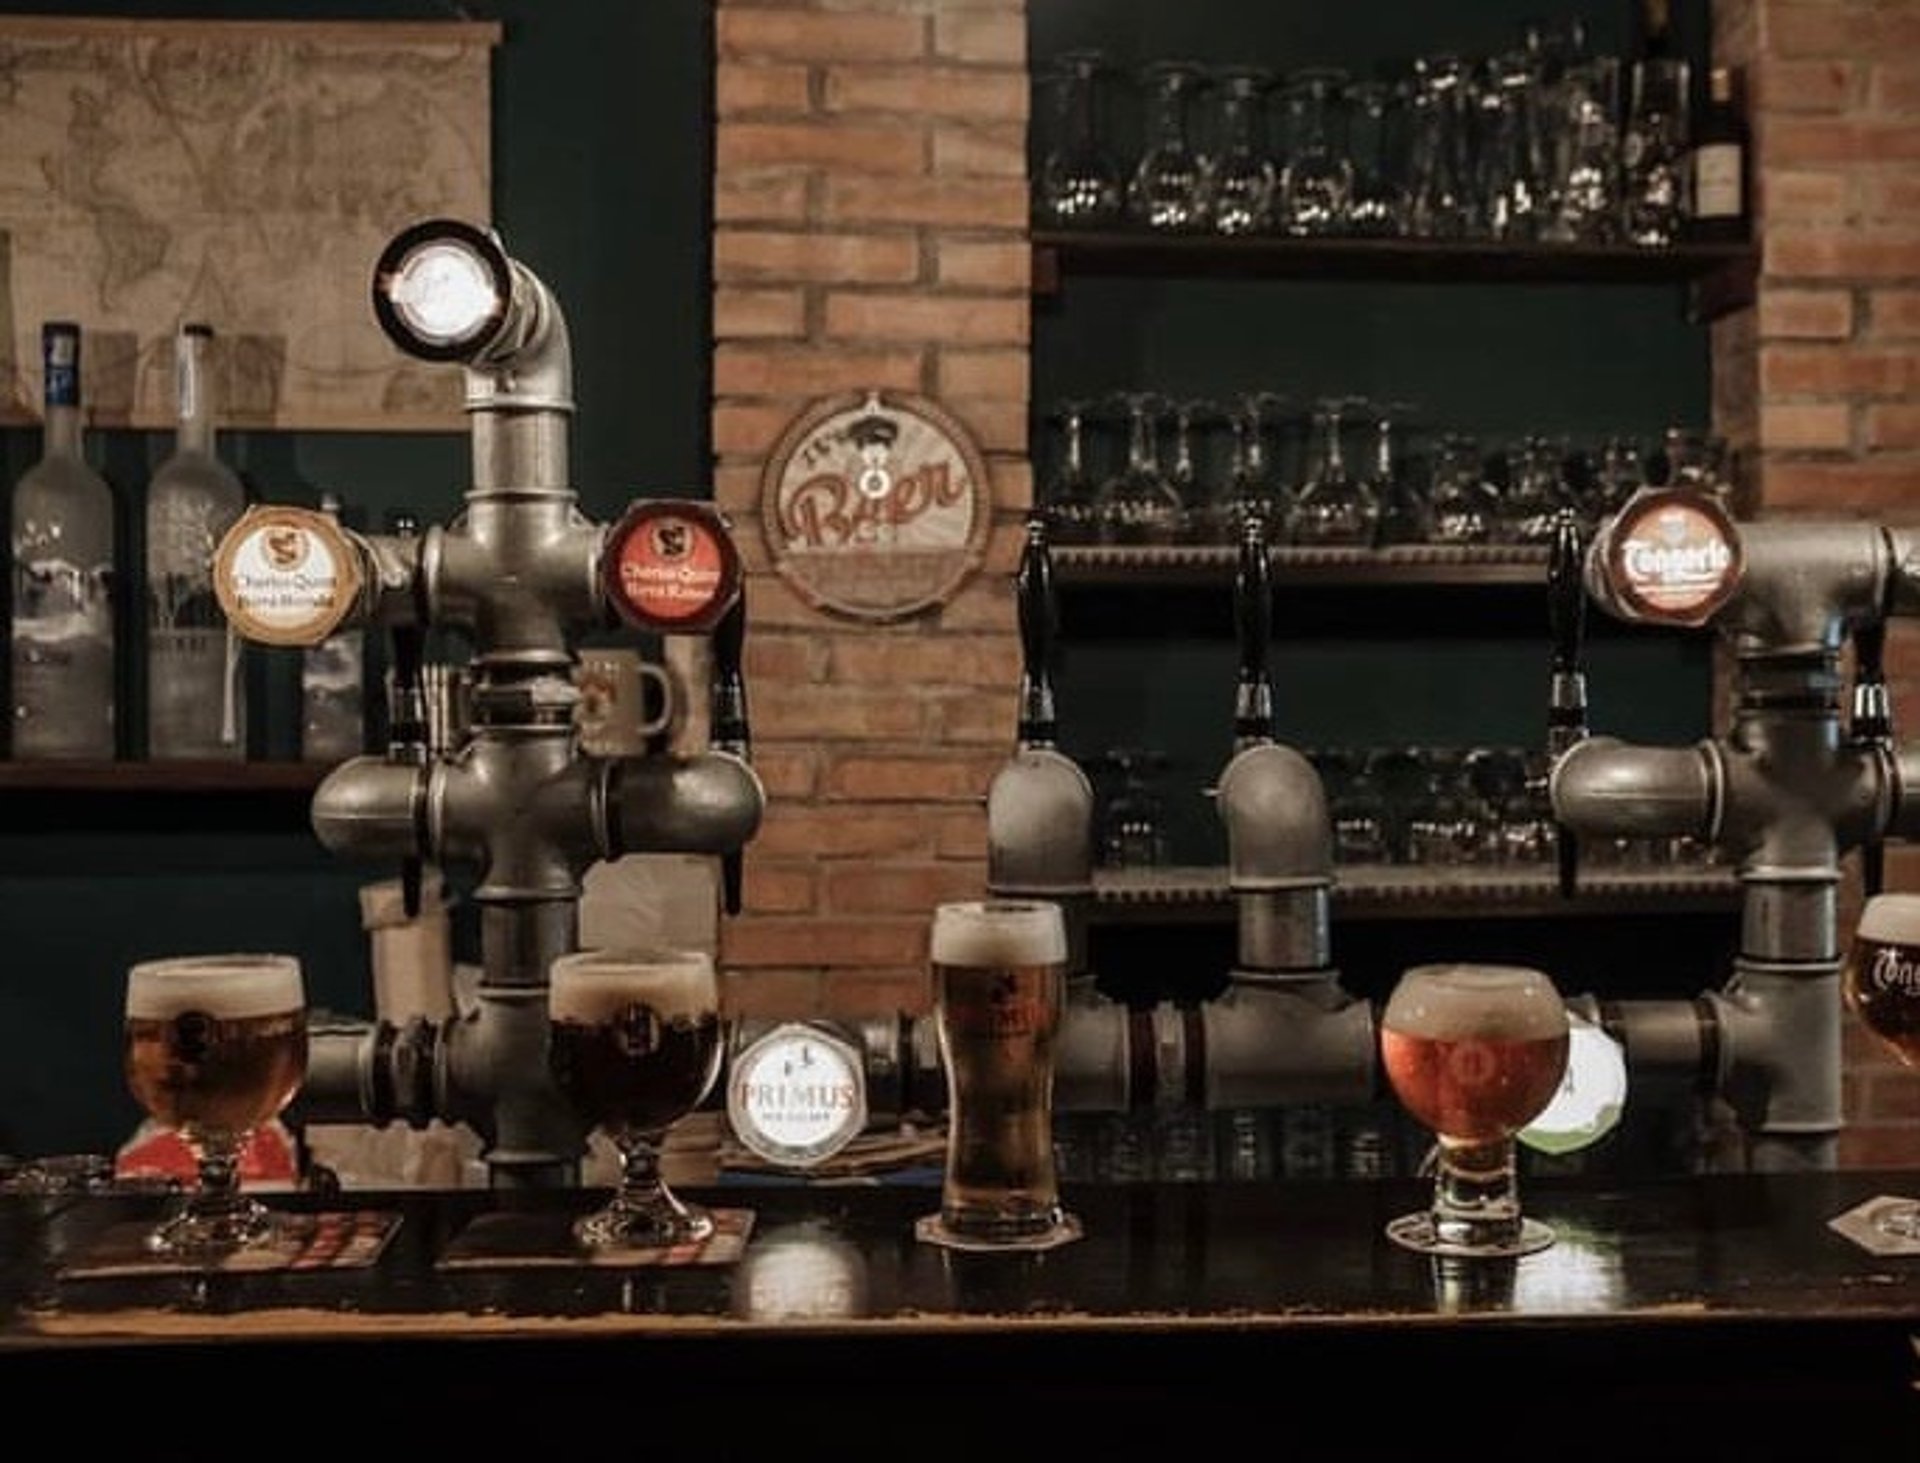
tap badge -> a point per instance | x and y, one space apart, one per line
1672 556
798 1095
671 567
286 576
876 505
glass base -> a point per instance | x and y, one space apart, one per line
934 1230
1418 1232
659 1223
196 1233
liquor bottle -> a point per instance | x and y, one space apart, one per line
1719 183
332 688
196 687
63 565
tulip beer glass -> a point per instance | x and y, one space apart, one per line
1475 1053
999 975
213 1047
635 1045
1881 978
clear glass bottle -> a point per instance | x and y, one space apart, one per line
196 686
332 687
62 636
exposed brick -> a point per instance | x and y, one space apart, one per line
928 91
896 886
972 717
763 197
740 314
811 371
844 831
1835 370
784 658
1891 1095
786 711
776 604
740 427
1894 314
906 657
1807 255
740 88
1857 30
1803 197
744 32
1801 86
997 374
772 995
1871 487
967 319
1798 141
1895 87
788 942
984 264
1890 197
835 146
984 602
736 489
935 202
1807 425
981 36
1893 426
769 886
786 772
858 994
1879 1147
839 258
1805 314
1000 426
943 778
980 151
960 835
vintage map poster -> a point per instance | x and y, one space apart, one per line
245 174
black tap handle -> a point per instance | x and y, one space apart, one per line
1039 615
407 731
1253 619
1567 693
730 730
1872 724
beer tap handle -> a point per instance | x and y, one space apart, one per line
730 731
1039 626
1872 725
1567 693
407 732
1253 719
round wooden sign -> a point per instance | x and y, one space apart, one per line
876 505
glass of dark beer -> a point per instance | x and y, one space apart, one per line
213 1047
999 977
635 1046
1474 1053
1881 979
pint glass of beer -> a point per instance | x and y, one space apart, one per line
1475 1053
213 1047
635 1045
1881 979
999 977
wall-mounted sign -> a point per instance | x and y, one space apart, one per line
876 505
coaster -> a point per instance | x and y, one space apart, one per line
342 1240
1861 1224
931 1229
1416 1232
507 1241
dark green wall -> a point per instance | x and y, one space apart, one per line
601 167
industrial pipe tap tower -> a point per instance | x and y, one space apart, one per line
523 575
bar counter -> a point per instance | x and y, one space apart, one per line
1713 1311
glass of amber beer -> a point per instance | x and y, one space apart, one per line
999 977
635 1046
1881 979
1475 1053
213 1047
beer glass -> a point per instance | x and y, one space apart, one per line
1881 979
1474 1053
213 1047
634 1046
999 976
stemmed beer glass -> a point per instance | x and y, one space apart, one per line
214 1046
1881 979
635 1044
1475 1053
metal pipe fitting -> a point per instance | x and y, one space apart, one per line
1279 857
1779 1058
1608 788
1040 838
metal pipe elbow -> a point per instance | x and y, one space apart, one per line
1271 1042
1615 789
371 808
1040 826
1779 1066
1274 806
706 804
1905 795
528 366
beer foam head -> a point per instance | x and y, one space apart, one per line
999 932
1447 1002
595 985
228 987
1892 919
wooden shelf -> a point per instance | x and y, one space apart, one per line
1401 564
1200 894
188 778
1720 277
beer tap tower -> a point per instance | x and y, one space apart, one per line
524 575
1784 793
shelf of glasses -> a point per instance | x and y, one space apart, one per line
1723 274
1397 564
1404 891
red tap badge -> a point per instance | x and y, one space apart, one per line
1673 556
670 566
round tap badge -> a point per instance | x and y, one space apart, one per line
876 505
1673 556
670 566
798 1095
286 576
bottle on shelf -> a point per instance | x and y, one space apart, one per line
332 687
1718 187
62 635
196 683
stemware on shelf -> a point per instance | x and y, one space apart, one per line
1251 487
1190 416
1169 186
1463 503
1138 504
1619 471
1069 493
1316 181
1334 505
1406 512
1537 492
1653 152
1509 168
1133 829
1376 144
1583 142
1079 181
1244 174
1698 460
1356 811
1440 190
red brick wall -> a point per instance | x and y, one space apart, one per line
870 231
1820 378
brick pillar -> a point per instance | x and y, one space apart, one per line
870 213
1821 376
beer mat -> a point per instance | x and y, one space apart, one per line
331 1240
932 1229
1858 1225
507 1241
